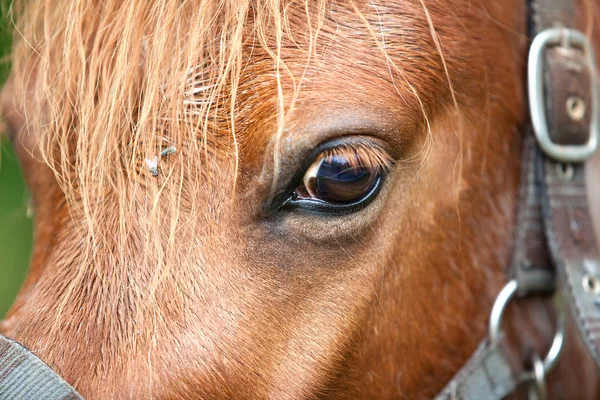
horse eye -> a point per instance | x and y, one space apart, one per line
342 177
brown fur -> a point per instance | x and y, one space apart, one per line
183 286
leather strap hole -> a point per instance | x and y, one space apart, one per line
575 106
591 284
564 172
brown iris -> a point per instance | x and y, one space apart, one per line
344 175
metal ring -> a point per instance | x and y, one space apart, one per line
504 297
559 335
537 379
507 293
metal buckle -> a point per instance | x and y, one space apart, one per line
537 108
504 297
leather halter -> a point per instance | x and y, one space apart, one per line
555 249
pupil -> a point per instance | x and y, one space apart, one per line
339 181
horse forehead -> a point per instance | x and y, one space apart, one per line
379 53
413 46
351 46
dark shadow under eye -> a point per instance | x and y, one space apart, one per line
342 178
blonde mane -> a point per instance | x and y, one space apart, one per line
112 83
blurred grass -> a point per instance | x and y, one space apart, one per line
16 229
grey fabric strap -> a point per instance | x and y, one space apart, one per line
23 376
486 376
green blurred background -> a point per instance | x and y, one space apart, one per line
16 229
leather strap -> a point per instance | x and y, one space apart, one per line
486 376
23 376
573 246
531 265
552 14
568 118
567 218
554 225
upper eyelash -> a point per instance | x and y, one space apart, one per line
360 155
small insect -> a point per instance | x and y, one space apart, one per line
168 151
152 165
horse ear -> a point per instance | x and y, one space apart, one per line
13 121
40 179
24 139
10 117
